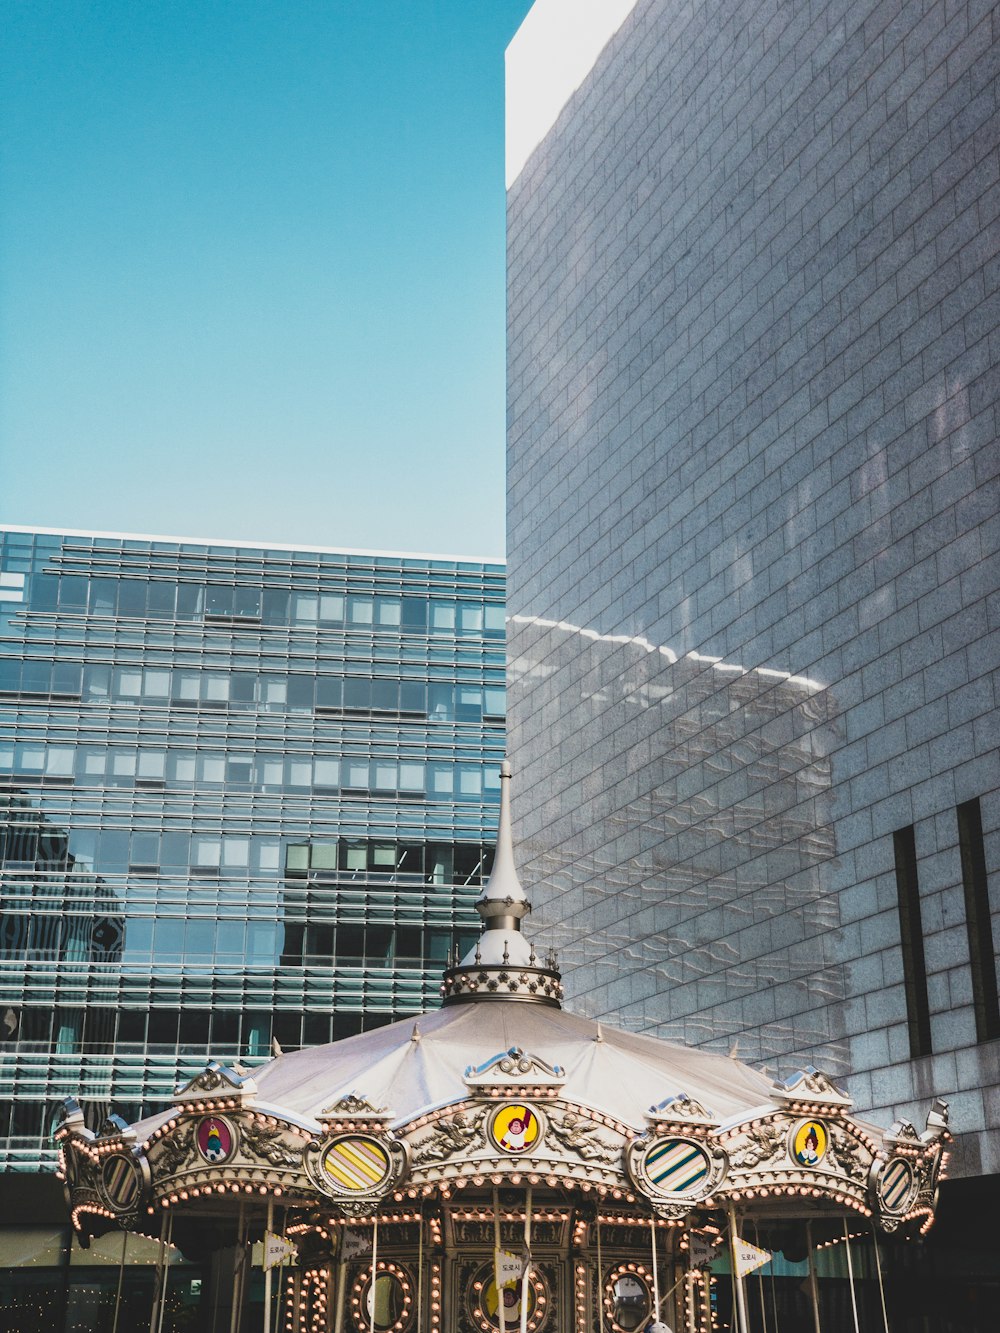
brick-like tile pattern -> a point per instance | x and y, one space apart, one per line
754 359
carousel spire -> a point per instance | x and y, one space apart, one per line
503 963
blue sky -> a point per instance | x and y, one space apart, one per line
251 269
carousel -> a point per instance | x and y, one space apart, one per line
503 1166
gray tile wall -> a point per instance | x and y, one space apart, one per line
754 357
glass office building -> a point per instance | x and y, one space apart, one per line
246 795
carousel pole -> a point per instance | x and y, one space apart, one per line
236 1317
166 1275
760 1279
526 1275
497 1251
420 1270
268 1228
600 1278
738 1282
813 1284
878 1270
158 1280
338 1319
656 1273
371 1298
121 1280
850 1274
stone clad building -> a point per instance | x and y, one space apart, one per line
754 624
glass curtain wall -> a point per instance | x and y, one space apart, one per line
246 796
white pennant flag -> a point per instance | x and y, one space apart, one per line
508 1267
749 1257
355 1243
277 1249
701 1250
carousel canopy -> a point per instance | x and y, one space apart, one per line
498 1086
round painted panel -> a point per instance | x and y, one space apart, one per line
121 1180
515 1128
809 1143
895 1186
676 1166
215 1139
356 1164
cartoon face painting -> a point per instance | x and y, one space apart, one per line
515 1128
215 1141
809 1144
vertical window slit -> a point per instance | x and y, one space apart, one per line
912 940
982 954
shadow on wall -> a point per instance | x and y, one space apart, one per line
674 815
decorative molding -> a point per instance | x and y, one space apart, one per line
812 1085
451 1135
355 1106
680 1109
583 1138
761 1143
268 1144
214 1079
172 1151
514 1066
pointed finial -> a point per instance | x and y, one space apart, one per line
532 957
599 1035
415 1034
479 954
506 953
276 1047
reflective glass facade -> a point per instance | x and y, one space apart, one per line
245 795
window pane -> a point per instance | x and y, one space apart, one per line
160 601
357 774
360 610
300 693
327 773
211 768
186 684
218 600
275 690
471 617
388 612
329 692
385 776
441 777
96 681
131 597
495 701
299 773
305 608
59 760
236 852
246 602
156 684
411 777
190 602
275 607
331 607
151 763
443 617
441 702
207 851
270 772
493 618
215 686
180 766
128 682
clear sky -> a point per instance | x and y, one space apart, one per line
252 269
